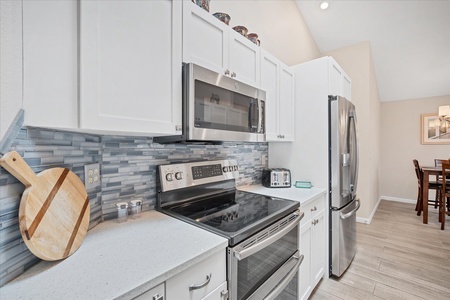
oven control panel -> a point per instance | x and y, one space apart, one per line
177 176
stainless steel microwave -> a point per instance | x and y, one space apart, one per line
218 108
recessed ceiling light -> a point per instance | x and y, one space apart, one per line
324 5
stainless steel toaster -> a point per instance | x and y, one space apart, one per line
276 178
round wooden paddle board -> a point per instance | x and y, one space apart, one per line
54 210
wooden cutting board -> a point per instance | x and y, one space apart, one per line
54 210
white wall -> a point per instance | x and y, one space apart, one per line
10 62
356 60
279 25
401 143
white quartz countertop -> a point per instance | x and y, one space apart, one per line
297 194
119 260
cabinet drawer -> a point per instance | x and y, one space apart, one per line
213 267
312 208
156 293
219 293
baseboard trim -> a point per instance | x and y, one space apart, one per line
369 220
396 199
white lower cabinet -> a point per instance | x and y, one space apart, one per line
156 293
221 292
205 280
312 245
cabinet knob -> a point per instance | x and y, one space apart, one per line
169 176
314 208
233 74
227 72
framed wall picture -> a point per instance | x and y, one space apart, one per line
435 130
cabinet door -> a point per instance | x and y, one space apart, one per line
205 38
269 83
335 79
305 282
347 87
207 275
244 59
318 244
286 104
130 66
50 63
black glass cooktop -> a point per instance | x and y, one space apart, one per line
233 214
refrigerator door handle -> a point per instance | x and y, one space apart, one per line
349 214
354 155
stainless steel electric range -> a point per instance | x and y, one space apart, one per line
263 247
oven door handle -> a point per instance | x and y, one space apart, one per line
279 280
241 253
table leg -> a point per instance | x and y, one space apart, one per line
425 196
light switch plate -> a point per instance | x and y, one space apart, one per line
91 176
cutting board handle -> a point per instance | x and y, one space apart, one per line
16 165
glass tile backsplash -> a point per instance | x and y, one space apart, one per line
127 172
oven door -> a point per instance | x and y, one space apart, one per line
266 265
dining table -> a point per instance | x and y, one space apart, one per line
427 172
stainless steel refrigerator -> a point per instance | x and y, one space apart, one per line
343 177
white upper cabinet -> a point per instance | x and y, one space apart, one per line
130 66
210 43
278 82
50 63
339 82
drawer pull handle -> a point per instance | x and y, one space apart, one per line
199 286
314 208
158 297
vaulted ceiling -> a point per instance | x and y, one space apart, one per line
410 41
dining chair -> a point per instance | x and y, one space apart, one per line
444 203
437 163
432 185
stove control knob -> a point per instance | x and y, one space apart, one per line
179 175
169 176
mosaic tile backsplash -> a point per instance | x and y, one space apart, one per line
127 171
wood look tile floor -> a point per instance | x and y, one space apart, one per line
398 257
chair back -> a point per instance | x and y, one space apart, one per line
438 162
419 173
445 183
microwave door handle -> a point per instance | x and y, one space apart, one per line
241 254
261 117
251 112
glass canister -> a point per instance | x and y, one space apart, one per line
122 212
135 209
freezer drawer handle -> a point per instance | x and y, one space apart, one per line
347 215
